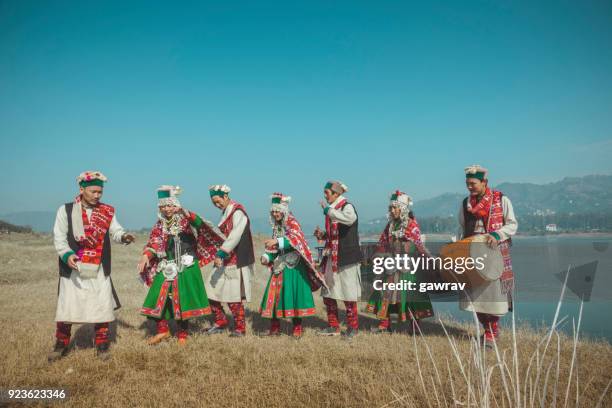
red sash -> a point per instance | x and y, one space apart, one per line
332 239
227 226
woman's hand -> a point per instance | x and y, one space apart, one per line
271 243
144 263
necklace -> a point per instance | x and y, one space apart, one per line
172 226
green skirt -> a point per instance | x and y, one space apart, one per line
288 294
409 304
182 298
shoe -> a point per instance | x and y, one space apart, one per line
489 339
297 332
59 350
274 329
182 341
216 330
237 333
158 338
329 331
103 351
350 333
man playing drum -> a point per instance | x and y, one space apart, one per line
489 212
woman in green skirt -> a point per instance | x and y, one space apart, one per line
401 236
179 243
293 275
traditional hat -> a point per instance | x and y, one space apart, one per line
476 171
219 190
400 199
280 202
91 178
336 186
168 195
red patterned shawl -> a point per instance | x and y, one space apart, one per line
227 226
207 239
412 233
95 229
294 234
490 210
332 239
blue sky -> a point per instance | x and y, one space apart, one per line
272 96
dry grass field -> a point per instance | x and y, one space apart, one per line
441 368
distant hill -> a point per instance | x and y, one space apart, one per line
443 205
570 196
39 221
42 221
7 227
577 195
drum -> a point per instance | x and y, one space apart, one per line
474 247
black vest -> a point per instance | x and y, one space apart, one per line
64 269
349 251
245 254
469 220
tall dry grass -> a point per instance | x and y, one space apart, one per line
441 367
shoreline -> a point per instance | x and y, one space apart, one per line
436 237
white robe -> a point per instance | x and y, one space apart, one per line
488 297
83 300
223 284
346 283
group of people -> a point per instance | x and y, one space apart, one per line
181 242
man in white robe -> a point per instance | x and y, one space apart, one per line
341 259
230 279
81 235
488 212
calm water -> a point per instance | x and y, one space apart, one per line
536 260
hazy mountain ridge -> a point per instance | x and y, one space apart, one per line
6 227
572 195
39 221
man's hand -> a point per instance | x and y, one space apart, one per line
323 204
128 238
72 262
264 260
218 262
491 241
271 243
144 262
